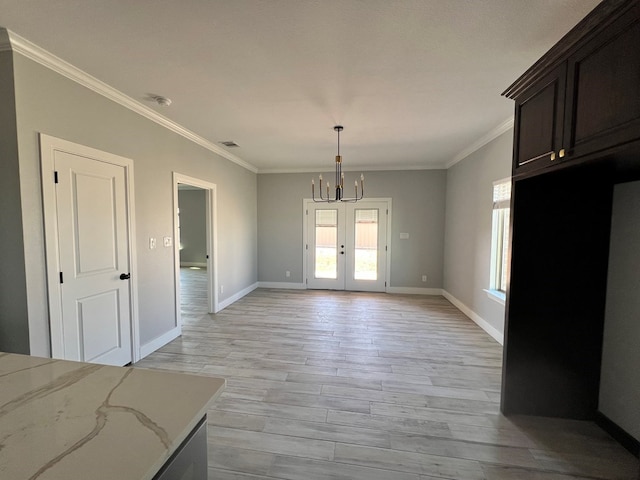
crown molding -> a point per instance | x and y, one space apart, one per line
12 41
356 169
492 135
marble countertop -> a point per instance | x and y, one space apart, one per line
71 420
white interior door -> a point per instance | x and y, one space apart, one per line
94 260
347 245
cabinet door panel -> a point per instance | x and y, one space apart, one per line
603 90
539 117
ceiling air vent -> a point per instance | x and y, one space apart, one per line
230 144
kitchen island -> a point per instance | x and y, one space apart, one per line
72 420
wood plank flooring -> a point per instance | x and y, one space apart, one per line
345 385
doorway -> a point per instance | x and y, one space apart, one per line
89 242
192 245
195 251
346 245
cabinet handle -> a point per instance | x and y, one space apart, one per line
553 156
561 153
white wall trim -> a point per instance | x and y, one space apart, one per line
193 264
159 342
482 323
211 228
285 285
351 168
32 51
234 298
46 59
414 291
496 296
492 135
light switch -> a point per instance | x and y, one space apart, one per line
404 236
167 241
152 243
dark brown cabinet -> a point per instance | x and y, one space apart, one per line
576 134
539 122
583 98
603 89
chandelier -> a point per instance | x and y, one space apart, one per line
339 185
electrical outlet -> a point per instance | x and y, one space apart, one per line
424 278
287 274
152 243
167 241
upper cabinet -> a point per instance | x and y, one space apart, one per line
583 97
603 89
539 122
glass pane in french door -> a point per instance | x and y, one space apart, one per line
366 244
326 244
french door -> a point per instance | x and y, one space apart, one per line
346 245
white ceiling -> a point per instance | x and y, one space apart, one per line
414 82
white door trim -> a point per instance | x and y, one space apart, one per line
49 145
306 202
212 240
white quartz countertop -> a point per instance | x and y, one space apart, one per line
69 420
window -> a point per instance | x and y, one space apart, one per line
366 240
500 234
326 244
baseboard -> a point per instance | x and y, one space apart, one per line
618 433
234 298
194 264
159 342
414 290
285 285
482 323
399 290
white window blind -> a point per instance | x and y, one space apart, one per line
500 234
501 194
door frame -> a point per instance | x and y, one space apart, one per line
48 146
212 241
306 202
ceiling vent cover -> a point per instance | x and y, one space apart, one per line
230 144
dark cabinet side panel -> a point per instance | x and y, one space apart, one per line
555 304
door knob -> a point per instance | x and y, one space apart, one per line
125 276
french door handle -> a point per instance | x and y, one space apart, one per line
125 276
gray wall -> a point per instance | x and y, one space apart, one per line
14 331
418 209
50 103
193 226
620 379
467 251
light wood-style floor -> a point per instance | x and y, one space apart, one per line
345 385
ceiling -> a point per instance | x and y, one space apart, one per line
415 83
